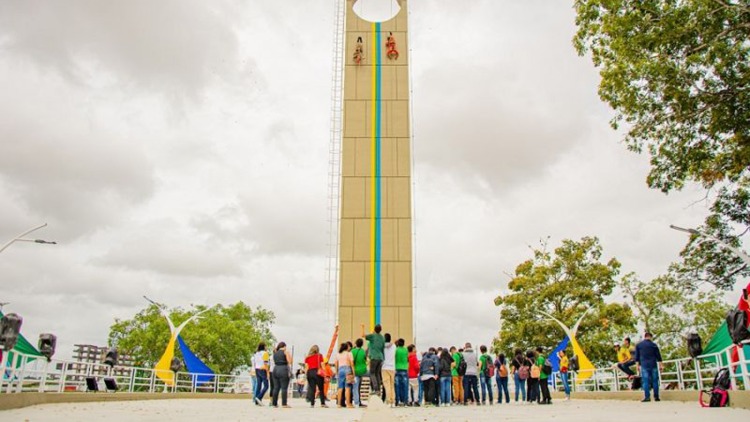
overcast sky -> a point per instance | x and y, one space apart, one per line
178 149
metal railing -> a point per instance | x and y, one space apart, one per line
34 374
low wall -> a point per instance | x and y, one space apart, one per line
738 399
17 400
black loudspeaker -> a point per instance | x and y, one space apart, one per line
10 327
91 384
47 344
175 365
111 384
111 358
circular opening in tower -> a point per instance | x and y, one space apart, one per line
376 10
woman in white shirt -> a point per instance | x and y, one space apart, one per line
345 372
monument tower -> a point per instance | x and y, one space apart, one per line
375 224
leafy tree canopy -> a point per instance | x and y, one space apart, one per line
224 337
677 73
564 284
670 310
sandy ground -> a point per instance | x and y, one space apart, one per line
241 410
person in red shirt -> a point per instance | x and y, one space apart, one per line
413 372
313 364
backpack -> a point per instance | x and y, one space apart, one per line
523 372
547 367
695 345
719 396
535 371
489 369
737 325
461 367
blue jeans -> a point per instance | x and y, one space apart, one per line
486 384
420 396
445 389
402 386
566 385
520 386
343 372
471 392
650 380
253 383
355 390
502 385
261 385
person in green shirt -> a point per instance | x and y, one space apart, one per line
377 350
359 357
485 378
458 380
541 362
402 373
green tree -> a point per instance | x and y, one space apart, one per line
224 337
677 74
670 310
564 284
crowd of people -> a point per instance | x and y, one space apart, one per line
438 377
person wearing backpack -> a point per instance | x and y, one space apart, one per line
648 362
428 373
532 383
486 370
520 374
458 379
471 389
501 378
545 370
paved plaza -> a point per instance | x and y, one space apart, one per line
244 410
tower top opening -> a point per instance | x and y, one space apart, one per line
377 10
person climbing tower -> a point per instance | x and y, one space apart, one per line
359 51
390 45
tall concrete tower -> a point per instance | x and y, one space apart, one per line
375 268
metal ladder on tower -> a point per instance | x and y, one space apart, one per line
334 161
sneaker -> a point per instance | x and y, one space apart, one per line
657 399
645 400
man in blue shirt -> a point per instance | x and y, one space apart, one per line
648 361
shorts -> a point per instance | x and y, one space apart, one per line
343 372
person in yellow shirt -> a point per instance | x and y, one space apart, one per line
625 357
564 365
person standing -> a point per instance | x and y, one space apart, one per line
281 375
313 365
428 373
532 383
458 380
520 374
414 382
377 349
501 378
485 374
564 366
345 375
389 370
402 373
359 358
471 389
261 362
445 376
545 369
648 361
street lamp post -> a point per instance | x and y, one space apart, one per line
20 238
742 255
